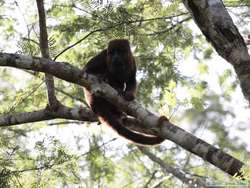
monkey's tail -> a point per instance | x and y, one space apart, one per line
137 138
134 137
111 116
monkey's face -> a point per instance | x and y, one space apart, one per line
119 61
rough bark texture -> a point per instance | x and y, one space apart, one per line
78 113
64 71
150 121
216 24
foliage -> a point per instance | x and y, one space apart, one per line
175 65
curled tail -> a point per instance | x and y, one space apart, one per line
130 135
110 115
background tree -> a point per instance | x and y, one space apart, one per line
166 45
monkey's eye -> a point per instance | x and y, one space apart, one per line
116 51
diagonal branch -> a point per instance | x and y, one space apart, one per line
167 130
216 24
60 70
178 173
44 47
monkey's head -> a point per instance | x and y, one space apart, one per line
119 58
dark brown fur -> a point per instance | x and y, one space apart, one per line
117 66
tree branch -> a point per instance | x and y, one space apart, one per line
181 175
150 179
216 24
167 130
64 112
49 80
119 24
169 28
78 113
60 70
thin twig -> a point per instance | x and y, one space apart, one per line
178 173
50 166
113 26
150 179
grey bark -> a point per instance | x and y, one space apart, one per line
44 47
217 26
78 113
167 130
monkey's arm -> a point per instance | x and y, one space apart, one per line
97 65
129 93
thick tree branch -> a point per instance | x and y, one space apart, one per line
49 80
78 113
150 121
216 24
63 71
25 117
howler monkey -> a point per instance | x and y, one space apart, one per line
116 65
